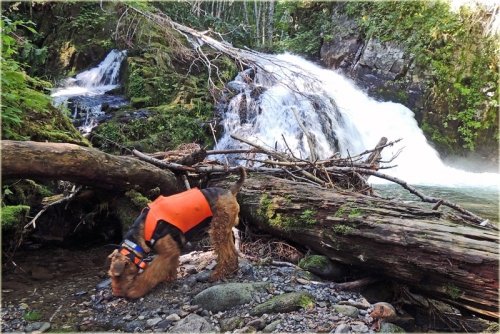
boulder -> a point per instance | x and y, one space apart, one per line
193 323
225 296
323 267
286 302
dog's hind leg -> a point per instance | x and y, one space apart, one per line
225 217
162 269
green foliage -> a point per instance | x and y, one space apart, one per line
138 199
308 217
340 212
18 93
32 315
355 213
462 60
342 229
453 291
27 112
167 127
302 26
14 216
267 210
314 261
88 17
26 192
228 24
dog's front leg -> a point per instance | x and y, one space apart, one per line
162 269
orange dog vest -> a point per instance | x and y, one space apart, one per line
184 210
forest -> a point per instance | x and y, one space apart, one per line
368 132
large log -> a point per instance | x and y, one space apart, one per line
430 251
83 165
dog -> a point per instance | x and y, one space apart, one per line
164 227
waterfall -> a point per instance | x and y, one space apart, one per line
337 116
85 94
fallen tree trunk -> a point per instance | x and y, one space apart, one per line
82 165
431 251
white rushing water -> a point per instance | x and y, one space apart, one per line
338 117
86 91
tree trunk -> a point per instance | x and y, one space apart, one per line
431 251
256 5
83 165
245 13
270 23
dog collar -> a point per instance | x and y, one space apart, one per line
134 252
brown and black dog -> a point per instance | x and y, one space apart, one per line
163 226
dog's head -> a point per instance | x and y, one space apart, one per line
122 272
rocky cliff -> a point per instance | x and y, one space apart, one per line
388 69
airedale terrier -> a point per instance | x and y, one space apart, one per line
163 227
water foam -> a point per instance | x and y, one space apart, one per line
93 83
339 118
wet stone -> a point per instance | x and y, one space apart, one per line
152 322
164 324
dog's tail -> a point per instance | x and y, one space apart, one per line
235 188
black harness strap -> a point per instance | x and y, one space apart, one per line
164 228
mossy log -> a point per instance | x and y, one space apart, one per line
431 251
82 165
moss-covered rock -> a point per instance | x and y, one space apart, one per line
285 303
323 267
225 296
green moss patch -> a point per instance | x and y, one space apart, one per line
287 302
13 216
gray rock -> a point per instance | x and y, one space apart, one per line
203 276
347 310
39 327
359 327
134 326
284 303
104 284
246 269
271 327
258 324
342 329
153 322
164 324
190 281
388 327
173 317
246 329
193 323
230 324
225 296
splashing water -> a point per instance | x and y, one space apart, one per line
337 116
85 94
